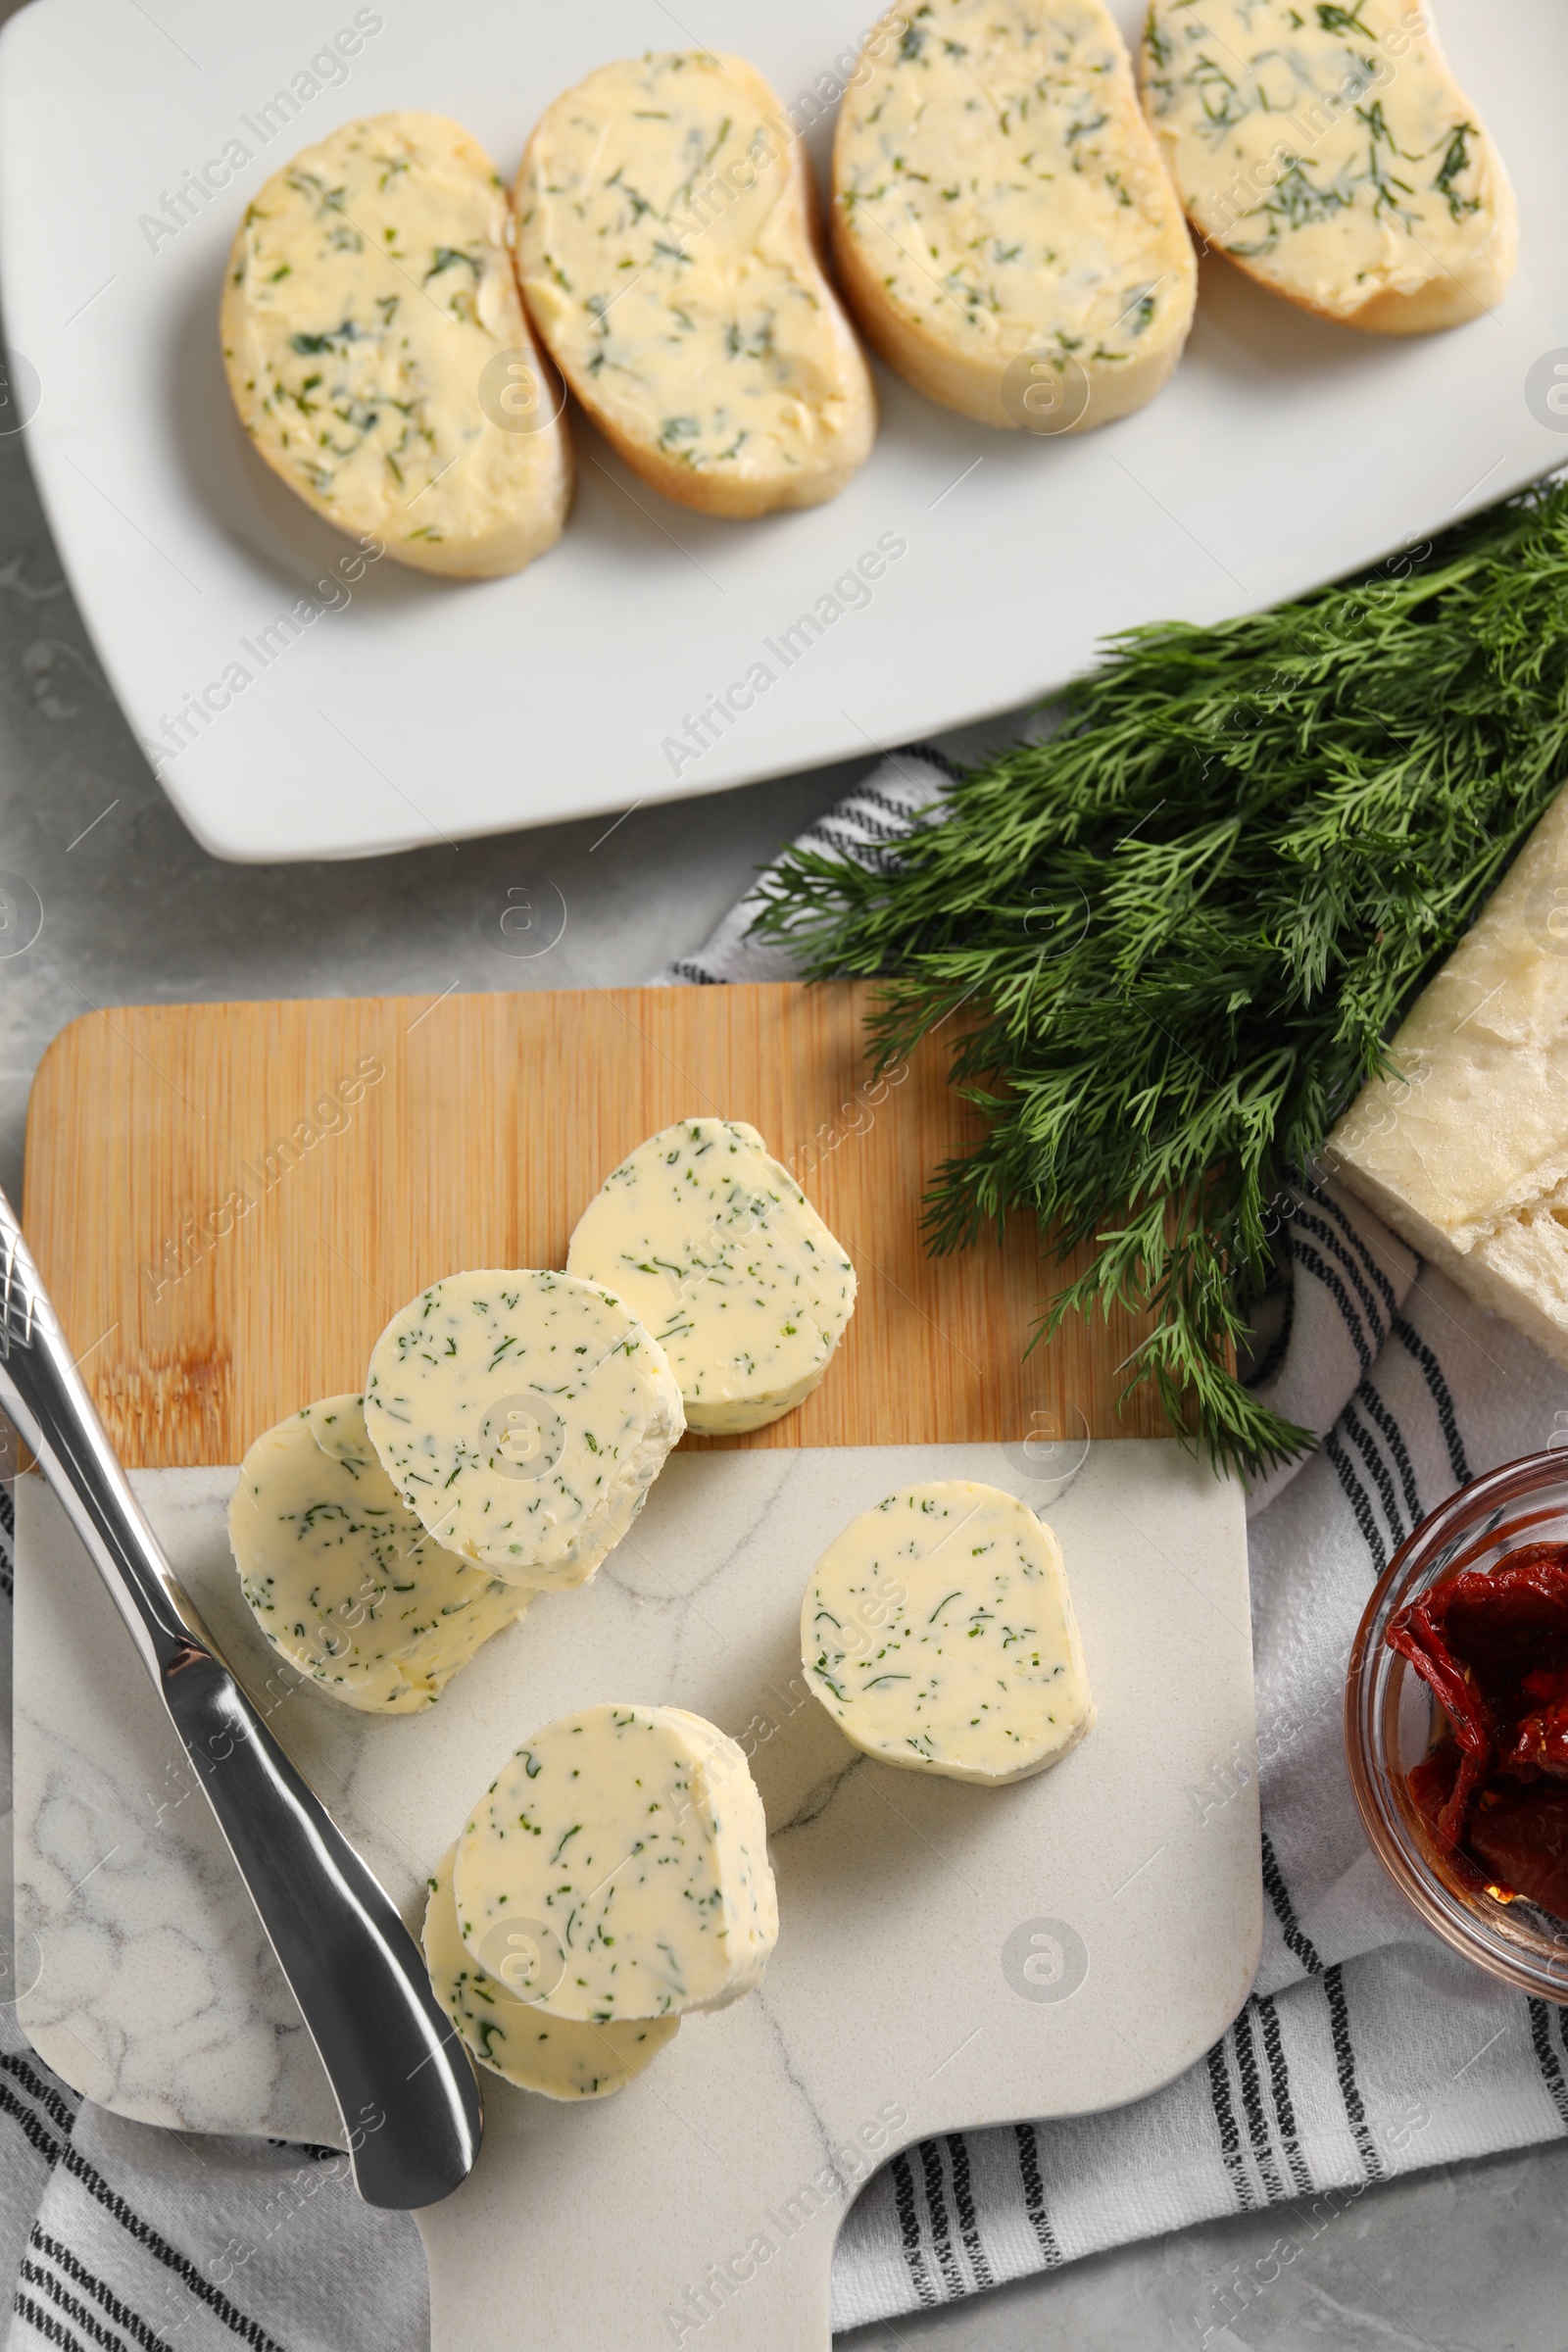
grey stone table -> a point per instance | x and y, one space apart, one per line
1467 2259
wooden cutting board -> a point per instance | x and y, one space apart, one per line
229 1202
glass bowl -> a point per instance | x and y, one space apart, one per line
1389 1723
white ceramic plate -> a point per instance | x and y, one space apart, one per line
1285 452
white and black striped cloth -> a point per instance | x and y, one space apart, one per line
1366 2050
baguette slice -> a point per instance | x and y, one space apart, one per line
378 354
666 236
1003 223
1465 1152
1330 152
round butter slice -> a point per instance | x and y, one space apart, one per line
523 1417
665 243
1332 154
1003 225
717 1249
939 1631
624 1853
345 1582
379 356
554 2056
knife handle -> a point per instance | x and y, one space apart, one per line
404 2085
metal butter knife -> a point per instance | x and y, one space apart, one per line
404 2083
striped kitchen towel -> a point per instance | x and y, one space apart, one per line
1366 2050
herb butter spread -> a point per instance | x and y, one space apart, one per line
938 1629
369 289
1330 151
716 1247
523 1417
555 2056
627 1847
997 195
665 238
343 1580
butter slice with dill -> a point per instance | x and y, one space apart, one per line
556 2057
938 1632
342 1580
380 357
713 1244
522 1416
629 1844
1330 152
664 215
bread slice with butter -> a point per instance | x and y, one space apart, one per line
1331 154
1465 1152
378 355
666 236
1004 226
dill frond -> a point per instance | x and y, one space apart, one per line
1181 930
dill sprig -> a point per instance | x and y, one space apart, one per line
1181 930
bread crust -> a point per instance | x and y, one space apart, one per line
971 385
1444 301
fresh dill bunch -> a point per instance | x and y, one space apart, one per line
1181 929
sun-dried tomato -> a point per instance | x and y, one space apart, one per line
1492 1643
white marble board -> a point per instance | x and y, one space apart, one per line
949 1955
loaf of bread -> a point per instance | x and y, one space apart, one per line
378 355
666 242
1005 233
1465 1152
1330 152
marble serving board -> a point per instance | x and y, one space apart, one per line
947 1956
